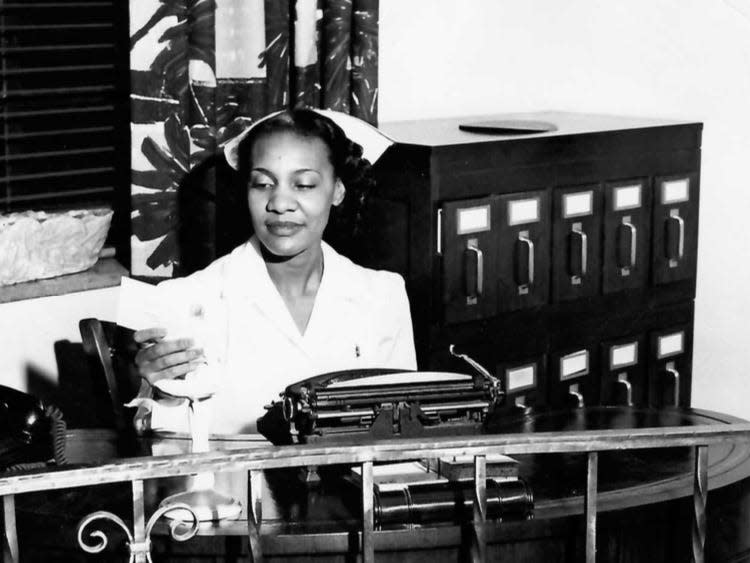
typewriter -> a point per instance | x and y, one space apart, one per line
359 405
348 406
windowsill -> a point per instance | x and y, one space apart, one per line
105 273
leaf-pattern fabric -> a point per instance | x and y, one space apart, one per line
201 71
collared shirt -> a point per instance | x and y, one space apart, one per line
360 319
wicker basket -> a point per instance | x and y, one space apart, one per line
36 244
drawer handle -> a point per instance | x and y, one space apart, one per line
679 222
676 377
633 240
576 399
472 248
520 406
622 380
530 247
583 239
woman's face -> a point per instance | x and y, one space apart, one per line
291 190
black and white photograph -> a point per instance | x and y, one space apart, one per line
374 281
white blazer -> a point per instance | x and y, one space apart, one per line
360 319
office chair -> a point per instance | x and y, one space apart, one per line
112 349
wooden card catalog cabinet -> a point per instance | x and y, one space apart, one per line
577 235
470 253
523 245
623 372
523 383
669 367
675 239
573 379
531 247
627 224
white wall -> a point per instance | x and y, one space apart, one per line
30 328
687 59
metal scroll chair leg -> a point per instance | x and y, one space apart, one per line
10 543
253 538
590 505
368 514
478 540
141 546
254 516
700 492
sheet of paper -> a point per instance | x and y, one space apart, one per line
402 377
138 305
142 305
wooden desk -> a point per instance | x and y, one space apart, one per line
644 505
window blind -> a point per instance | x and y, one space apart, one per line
64 115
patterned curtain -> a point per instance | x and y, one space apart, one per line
201 70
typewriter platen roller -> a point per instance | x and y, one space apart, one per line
380 404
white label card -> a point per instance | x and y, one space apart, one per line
521 377
578 204
627 197
623 355
523 211
473 219
574 364
674 191
671 344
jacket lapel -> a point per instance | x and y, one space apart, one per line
336 306
253 285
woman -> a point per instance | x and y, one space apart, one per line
284 306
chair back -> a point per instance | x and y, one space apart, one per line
112 347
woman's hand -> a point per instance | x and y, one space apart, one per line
158 358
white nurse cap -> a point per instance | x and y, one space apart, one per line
372 140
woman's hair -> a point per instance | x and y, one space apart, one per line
349 166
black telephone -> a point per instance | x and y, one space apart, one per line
32 434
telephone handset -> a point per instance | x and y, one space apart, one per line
31 433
